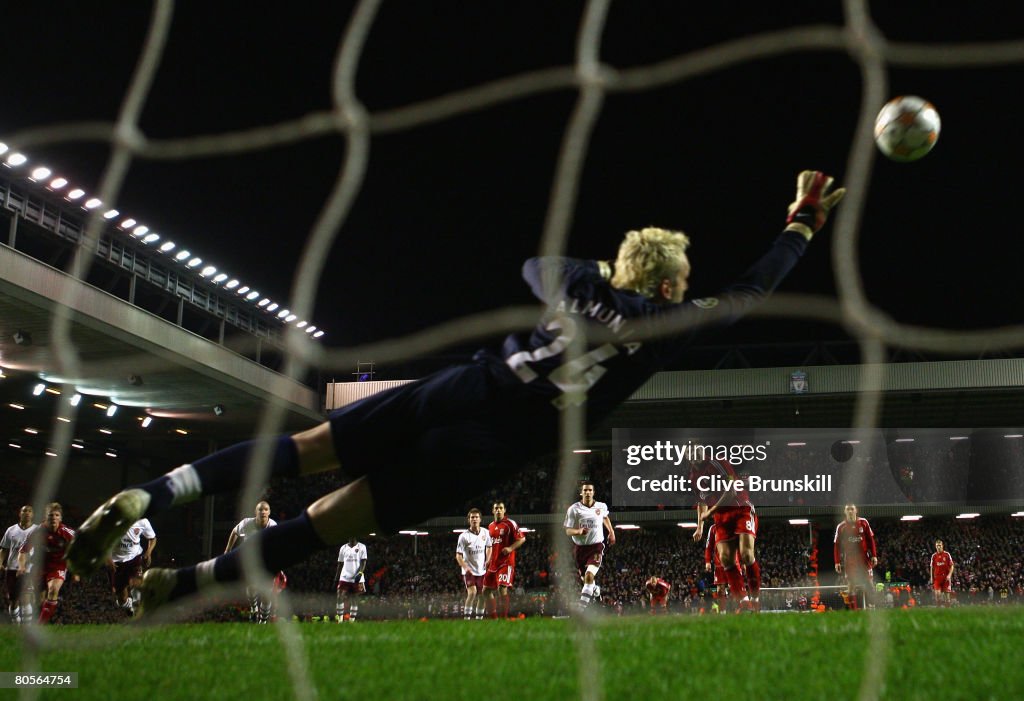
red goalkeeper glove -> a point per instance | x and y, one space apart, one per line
808 213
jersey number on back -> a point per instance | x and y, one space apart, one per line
574 377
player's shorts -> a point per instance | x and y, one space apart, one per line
858 574
473 580
51 573
445 438
14 584
588 555
733 521
125 571
345 587
944 585
504 576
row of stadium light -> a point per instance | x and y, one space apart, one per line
110 409
524 529
693 524
798 444
109 452
142 233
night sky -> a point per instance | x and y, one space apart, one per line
448 211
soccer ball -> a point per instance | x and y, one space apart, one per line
907 128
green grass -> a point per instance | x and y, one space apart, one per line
931 654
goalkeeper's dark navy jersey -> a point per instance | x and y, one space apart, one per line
629 337
456 433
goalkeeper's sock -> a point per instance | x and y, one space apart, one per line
286 544
754 579
222 471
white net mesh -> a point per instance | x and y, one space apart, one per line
594 81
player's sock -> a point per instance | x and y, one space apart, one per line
506 605
220 472
285 544
339 611
492 607
27 612
47 610
479 611
597 591
587 595
15 613
754 580
735 580
353 611
467 612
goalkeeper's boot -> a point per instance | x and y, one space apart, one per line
95 540
156 587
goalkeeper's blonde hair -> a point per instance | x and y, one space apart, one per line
648 256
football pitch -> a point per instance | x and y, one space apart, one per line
966 653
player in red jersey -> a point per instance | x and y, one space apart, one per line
942 574
47 543
713 563
735 526
657 594
856 551
506 538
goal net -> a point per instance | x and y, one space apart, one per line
627 91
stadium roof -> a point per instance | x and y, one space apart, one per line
129 357
957 393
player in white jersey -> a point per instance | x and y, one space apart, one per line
351 577
129 560
473 552
248 526
260 607
585 522
16 590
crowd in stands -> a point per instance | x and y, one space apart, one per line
418 575
988 554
